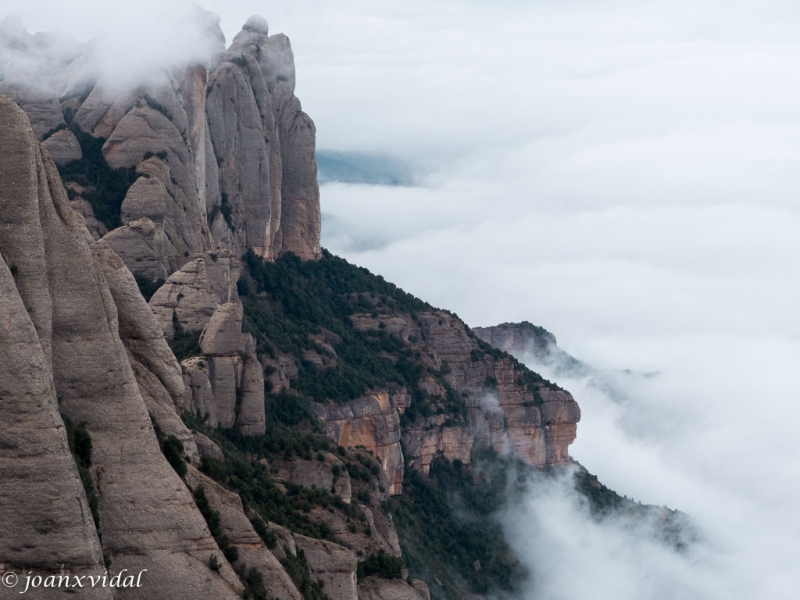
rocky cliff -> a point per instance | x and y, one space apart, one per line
216 156
194 389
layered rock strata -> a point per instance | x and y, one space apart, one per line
535 420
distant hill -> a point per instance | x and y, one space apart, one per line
362 167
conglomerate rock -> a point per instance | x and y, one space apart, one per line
147 517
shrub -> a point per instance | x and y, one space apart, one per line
105 188
381 564
148 287
214 564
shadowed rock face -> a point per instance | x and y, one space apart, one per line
147 517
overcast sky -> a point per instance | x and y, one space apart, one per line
623 173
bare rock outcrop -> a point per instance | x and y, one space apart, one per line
375 588
42 502
208 448
225 384
372 422
63 147
251 549
319 474
502 407
332 564
518 339
157 372
225 153
147 517
192 294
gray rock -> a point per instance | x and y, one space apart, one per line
42 502
187 297
141 246
42 108
148 519
147 197
314 473
241 149
285 541
375 588
63 147
252 418
223 374
222 335
198 397
157 372
243 537
332 564
207 447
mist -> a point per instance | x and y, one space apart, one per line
622 173
643 208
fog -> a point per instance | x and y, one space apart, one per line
623 173
643 207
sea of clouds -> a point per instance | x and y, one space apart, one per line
623 173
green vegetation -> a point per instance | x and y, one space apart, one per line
227 210
297 303
445 525
214 524
244 474
264 532
171 448
105 188
255 588
381 564
80 444
148 287
184 344
297 568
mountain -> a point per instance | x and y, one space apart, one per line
195 391
362 167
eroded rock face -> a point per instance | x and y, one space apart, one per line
518 339
319 474
499 408
41 498
63 147
375 588
186 301
148 519
332 564
157 372
225 385
226 154
252 551
372 422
